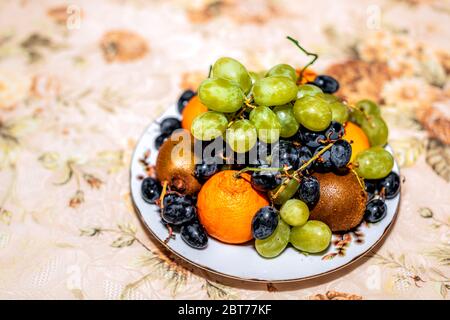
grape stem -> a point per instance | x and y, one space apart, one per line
298 172
239 114
360 181
170 235
246 169
163 194
248 104
209 71
315 55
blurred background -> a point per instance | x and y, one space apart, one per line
81 80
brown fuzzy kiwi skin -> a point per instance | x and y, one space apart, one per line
342 201
178 170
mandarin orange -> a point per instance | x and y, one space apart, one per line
226 206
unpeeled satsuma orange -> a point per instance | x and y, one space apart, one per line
226 206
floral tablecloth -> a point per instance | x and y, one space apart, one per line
80 81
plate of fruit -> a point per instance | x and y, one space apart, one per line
266 176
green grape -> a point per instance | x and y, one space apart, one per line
266 124
209 125
275 243
284 192
274 91
289 126
376 130
233 70
241 136
339 112
221 95
308 90
328 97
294 212
374 163
369 107
363 110
283 70
313 237
312 113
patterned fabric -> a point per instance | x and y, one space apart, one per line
79 84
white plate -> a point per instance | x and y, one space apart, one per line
242 261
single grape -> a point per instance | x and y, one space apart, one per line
308 90
241 136
169 125
374 163
364 109
204 171
327 96
194 235
233 70
305 155
376 210
209 125
312 237
150 190
323 162
283 70
371 187
335 131
369 107
285 153
312 113
328 84
159 140
265 222
184 99
265 180
275 243
221 95
339 112
376 130
285 115
340 154
284 192
294 212
390 185
274 91
311 139
309 190
266 124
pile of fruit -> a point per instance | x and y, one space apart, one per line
272 156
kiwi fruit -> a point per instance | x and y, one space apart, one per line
342 201
175 163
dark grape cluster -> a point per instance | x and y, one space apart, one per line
378 191
176 210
